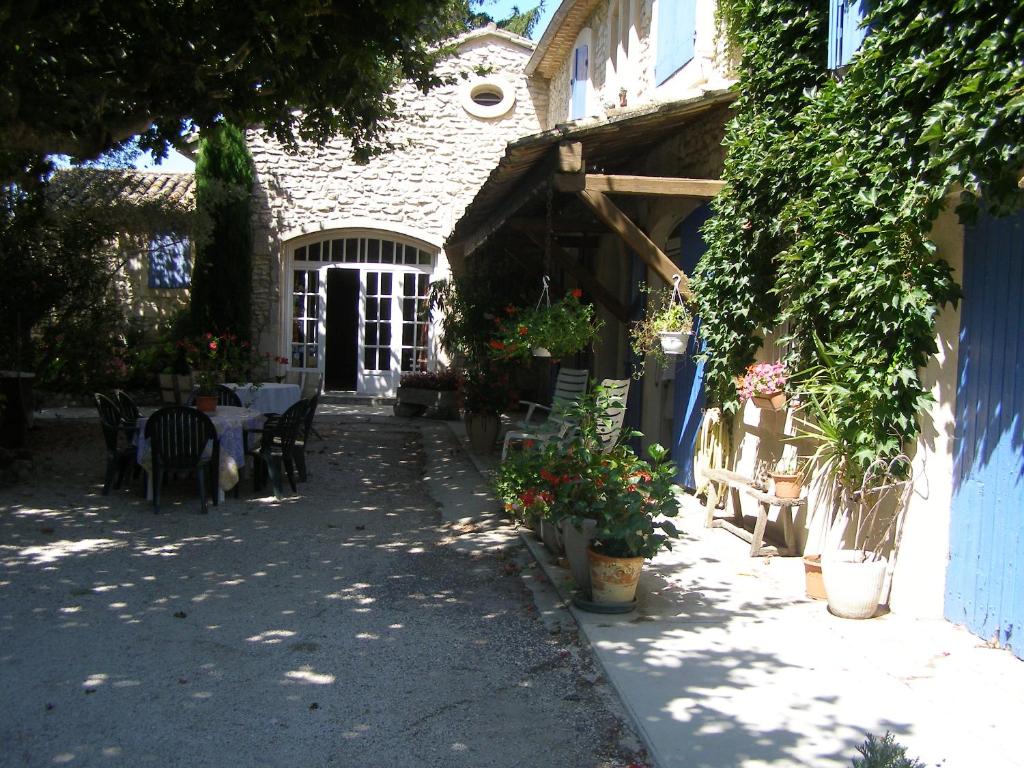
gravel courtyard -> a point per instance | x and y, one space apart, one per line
334 628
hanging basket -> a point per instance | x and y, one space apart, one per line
674 342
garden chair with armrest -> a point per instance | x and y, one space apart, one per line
227 396
303 438
119 458
277 447
179 437
570 386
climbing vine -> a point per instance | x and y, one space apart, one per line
834 183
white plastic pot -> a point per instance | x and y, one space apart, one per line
673 342
853 586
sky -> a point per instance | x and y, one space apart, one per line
498 9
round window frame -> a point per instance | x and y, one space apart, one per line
486 112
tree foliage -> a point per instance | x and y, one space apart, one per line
222 276
80 78
518 22
834 183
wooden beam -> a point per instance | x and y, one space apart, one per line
663 186
570 156
559 225
587 280
633 236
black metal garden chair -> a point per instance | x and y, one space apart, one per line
183 439
130 414
303 437
227 396
120 457
277 447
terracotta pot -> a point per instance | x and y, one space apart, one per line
773 401
673 342
482 430
613 579
206 403
853 587
552 537
786 486
813 582
577 544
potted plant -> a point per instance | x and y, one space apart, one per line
486 393
421 390
557 330
631 502
873 491
665 328
764 384
208 369
787 477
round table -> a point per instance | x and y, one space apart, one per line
230 422
269 397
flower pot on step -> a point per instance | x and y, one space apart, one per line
577 542
813 583
613 579
551 537
853 585
786 486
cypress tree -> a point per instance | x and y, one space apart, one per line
221 296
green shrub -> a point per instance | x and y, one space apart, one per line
884 753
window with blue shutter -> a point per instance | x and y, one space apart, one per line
845 30
677 35
169 262
578 85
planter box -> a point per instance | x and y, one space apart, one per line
415 402
775 401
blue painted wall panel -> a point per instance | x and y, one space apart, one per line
986 566
688 394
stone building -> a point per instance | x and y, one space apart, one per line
344 253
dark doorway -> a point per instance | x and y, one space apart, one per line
341 347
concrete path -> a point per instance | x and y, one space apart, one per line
352 625
727 663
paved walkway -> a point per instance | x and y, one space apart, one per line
353 625
726 663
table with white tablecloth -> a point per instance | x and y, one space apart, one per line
269 397
230 423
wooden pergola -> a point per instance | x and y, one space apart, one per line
572 162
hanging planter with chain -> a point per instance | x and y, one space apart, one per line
550 329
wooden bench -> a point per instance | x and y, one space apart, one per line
737 483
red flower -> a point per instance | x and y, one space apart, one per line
529 443
213 345
495 344
523 330
549 477
577 293
510 310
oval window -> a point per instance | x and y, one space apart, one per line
488 98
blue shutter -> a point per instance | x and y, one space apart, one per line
845 30
677 32
580 77
169 262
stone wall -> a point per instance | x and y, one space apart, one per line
442 155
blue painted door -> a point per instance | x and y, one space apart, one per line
688 395
985 579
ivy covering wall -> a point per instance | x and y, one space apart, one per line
834 182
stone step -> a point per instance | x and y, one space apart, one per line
337 397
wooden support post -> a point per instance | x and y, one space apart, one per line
587 280
651 254
570 157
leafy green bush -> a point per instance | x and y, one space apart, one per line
563 328
884 753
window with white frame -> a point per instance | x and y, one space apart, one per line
305 318
415 322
